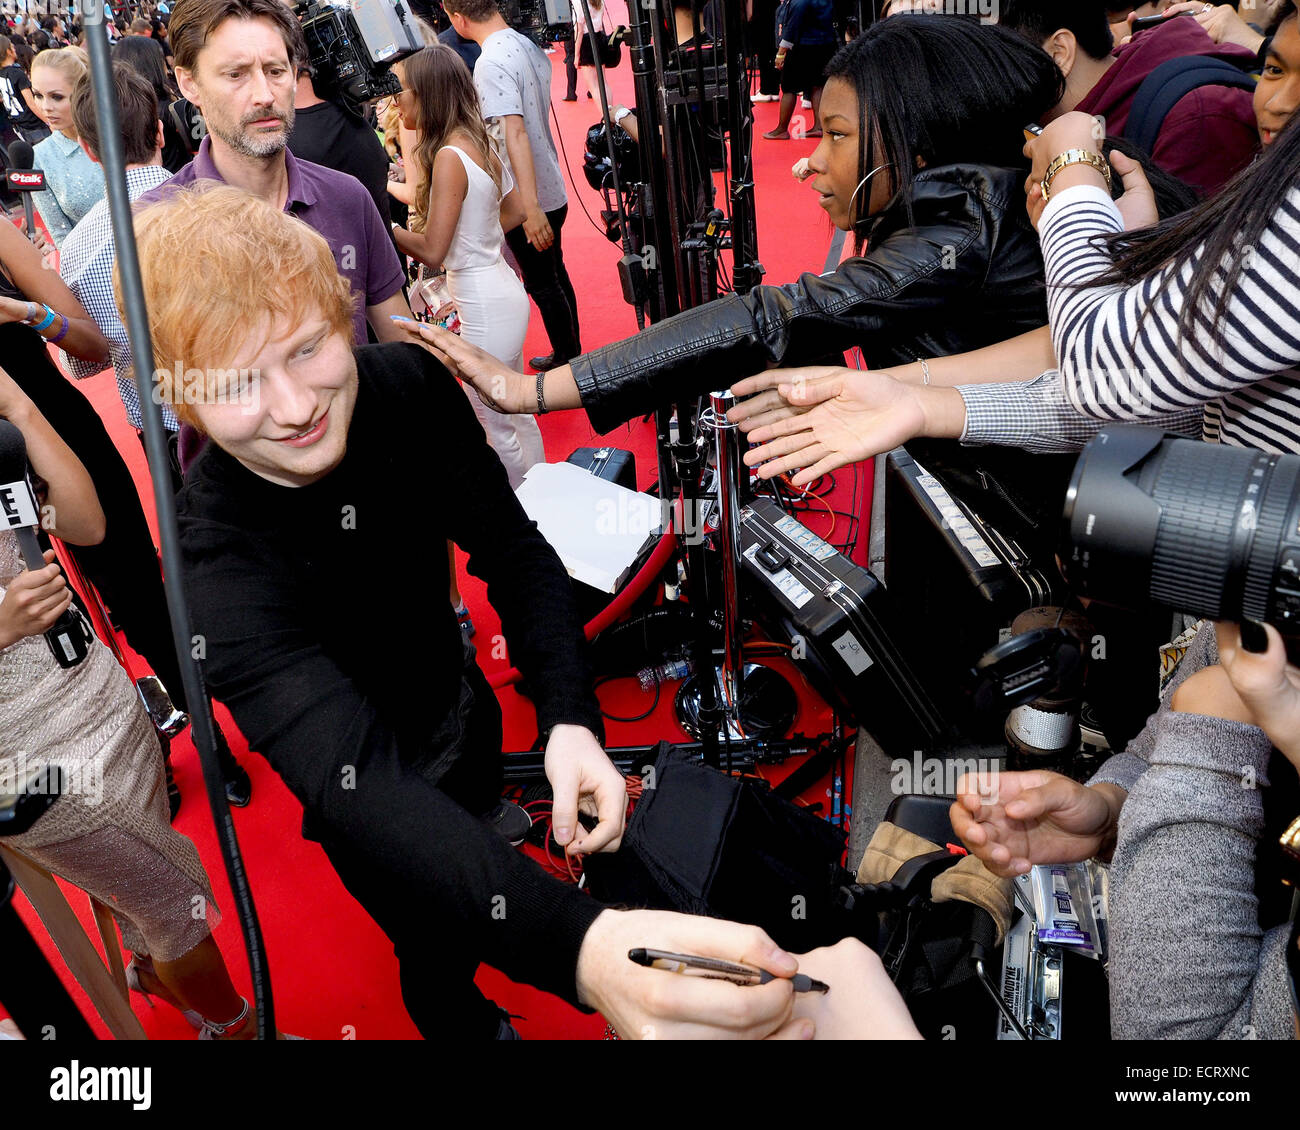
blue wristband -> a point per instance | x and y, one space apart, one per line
47 322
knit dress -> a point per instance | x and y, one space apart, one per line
109 832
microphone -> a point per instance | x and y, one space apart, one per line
69 637
24 180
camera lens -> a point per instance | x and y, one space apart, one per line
1203 528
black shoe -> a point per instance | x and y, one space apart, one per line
589 96
569 98
511 821
544 364
239 789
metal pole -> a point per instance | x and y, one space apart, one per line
728 465
112 159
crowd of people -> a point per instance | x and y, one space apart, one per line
1006 285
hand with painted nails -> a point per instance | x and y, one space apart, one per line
1252 683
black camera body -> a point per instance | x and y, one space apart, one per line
543 21
351 50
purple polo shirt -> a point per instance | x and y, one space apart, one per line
336 205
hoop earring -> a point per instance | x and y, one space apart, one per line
864 180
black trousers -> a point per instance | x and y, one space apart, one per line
760 42
547 282
436 967
570 71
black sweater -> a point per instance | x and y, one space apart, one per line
328 633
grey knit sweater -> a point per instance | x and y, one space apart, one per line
1188 959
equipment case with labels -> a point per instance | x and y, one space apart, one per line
962 580
846 635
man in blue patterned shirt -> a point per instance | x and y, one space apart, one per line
88 254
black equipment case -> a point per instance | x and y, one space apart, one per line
962 579
612 464
847 637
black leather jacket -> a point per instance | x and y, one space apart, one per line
967 273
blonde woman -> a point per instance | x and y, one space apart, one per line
73 182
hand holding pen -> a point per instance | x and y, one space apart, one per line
713 968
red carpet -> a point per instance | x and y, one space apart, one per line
333 971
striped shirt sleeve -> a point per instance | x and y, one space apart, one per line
1119 348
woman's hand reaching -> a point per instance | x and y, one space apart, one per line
500 387
826 418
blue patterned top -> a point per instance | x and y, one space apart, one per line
73 184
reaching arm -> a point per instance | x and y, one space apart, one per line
1016 359
22 262
1184 914
71 509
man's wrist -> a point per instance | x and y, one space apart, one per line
590 954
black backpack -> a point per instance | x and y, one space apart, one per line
1167 84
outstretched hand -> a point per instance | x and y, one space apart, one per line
825 418
500 387
1011 821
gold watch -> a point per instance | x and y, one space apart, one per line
1074 157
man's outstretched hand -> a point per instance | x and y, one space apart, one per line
1012 821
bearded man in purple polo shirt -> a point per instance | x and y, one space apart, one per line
236 60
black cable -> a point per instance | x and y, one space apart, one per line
559 133
202 727
640 717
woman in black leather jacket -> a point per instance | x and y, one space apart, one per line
948 261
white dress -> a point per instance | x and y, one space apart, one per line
493 310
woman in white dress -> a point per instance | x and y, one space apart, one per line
464 201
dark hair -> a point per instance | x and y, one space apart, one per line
196 20
947 91
477 11
1216 237
1036 20
137 113
40 42
145 57
5 44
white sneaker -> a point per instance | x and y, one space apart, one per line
805 103
764 97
